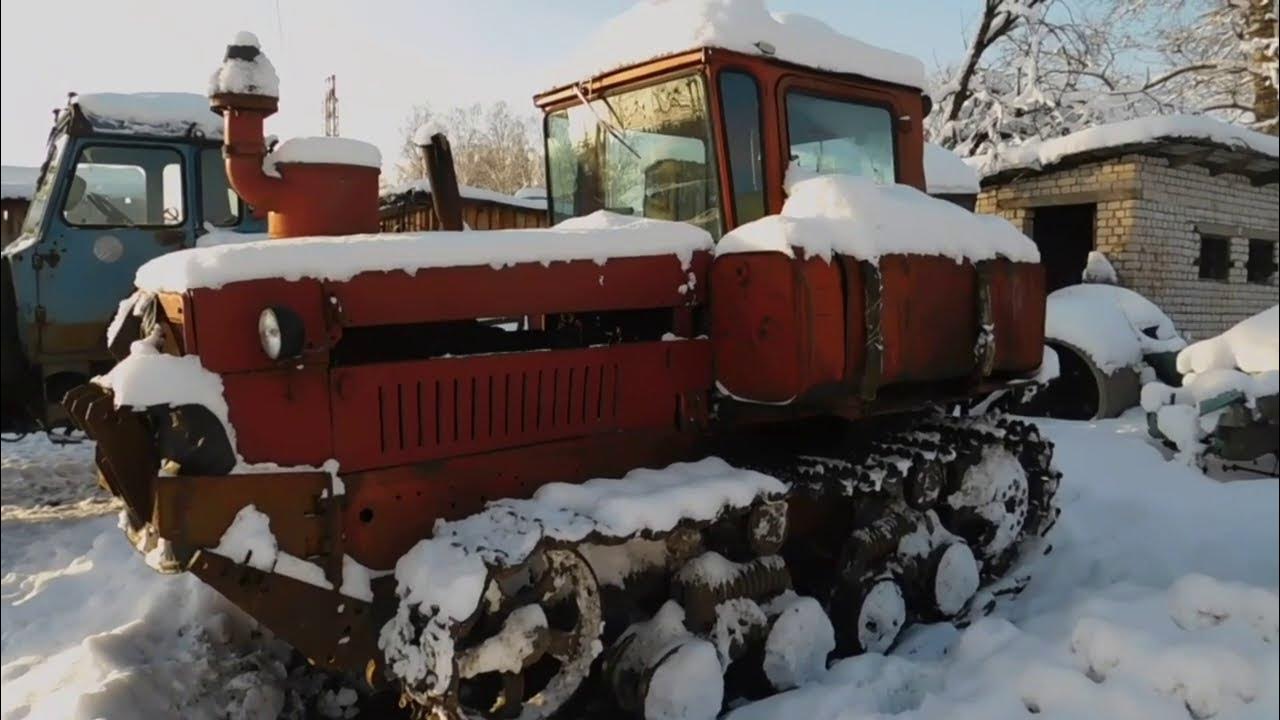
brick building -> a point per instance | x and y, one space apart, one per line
1185 208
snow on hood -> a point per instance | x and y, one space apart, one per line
19 183
423 185
946 173
854 216
597 237
1114 325
658 28
1039 154
1252 345
151 113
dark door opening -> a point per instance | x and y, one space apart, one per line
1064 234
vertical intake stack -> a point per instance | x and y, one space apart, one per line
308 186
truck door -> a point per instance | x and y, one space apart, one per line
121 205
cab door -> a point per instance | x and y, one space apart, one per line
121 203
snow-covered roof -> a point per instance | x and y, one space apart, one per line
826 214
597 237
946 173
19 182
1130 134
658 28
152 113
423 186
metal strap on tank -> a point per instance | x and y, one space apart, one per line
984 350
873 288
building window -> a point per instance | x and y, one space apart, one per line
1262 261
1215 257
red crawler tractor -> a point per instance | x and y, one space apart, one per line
424 404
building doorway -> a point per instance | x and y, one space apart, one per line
1064 235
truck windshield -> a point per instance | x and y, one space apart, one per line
645 152
35 213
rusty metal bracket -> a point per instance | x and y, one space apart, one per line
125 453
873 287
984 350
333 630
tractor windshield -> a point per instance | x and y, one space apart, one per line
645 151
35 213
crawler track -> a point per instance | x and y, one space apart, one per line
874 530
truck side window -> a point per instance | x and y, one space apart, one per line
122 186
840 136
740 104
219 204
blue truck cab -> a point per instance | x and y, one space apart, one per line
127 177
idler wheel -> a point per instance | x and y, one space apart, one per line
540 639
953 578
869 617
925 486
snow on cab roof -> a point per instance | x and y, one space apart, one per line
19 183
1042 154
658 28
343 257
946 173
403 191
151 113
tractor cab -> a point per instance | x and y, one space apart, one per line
707 136
127 178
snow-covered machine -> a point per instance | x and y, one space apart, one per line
414 456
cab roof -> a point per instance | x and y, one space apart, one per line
158 114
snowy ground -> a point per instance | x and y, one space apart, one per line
1158 600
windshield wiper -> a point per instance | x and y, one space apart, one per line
614 131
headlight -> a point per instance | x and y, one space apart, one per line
281 333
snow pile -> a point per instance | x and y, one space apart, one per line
45 480
659 28
245 71
149 113
596 237
18 183
321 151
1037 155
946 173
448 572
1115 326
423 186
1098 269
826 214
1252 345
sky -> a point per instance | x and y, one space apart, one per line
388 55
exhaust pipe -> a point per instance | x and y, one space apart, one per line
445 197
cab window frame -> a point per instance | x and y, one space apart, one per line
184 191
825 90
730 192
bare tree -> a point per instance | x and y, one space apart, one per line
493 147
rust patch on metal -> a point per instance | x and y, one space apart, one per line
126 455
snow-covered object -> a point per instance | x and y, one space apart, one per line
1199 387
826 214
1098 269
946 173
659 28
799 642
449 570
147 378
17 182
957 578
1035 155
249 540
1252 345
467 192
882 615
687 685
1114 325
322 150
153 113
242 76
596 237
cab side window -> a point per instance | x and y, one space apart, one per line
219 204
120 186
839 136
740 105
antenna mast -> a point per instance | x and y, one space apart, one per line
331 106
